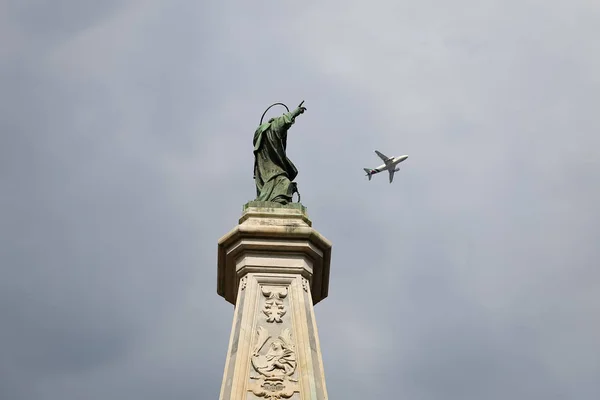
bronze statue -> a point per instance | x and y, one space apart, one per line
273 171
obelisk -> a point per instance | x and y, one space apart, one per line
273 267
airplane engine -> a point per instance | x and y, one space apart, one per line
397 169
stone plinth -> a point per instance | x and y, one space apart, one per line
273 267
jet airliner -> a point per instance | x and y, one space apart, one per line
390 165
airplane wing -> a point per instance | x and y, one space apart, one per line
382 156
392 170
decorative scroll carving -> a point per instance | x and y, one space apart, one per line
305 284
275 367
243 283
274 308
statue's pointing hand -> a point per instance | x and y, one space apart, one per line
300 109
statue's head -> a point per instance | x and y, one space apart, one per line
272 119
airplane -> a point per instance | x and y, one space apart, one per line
390 164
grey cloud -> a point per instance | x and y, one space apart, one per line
472 276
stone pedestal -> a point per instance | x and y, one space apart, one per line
273 267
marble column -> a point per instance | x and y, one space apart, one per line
273 267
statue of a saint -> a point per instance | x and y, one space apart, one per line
273 171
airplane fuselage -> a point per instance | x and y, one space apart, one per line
389 165
392 164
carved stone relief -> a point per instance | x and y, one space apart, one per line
274 308
305 285
275 366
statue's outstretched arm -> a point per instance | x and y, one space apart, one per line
299 110
287 119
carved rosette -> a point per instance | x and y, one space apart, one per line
274 308
275 365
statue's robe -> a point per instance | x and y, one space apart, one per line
273 171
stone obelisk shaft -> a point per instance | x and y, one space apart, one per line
273 267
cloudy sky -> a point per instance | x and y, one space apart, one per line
126 153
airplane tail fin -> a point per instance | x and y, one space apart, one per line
368 171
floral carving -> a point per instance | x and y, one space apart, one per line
305 284
274 308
